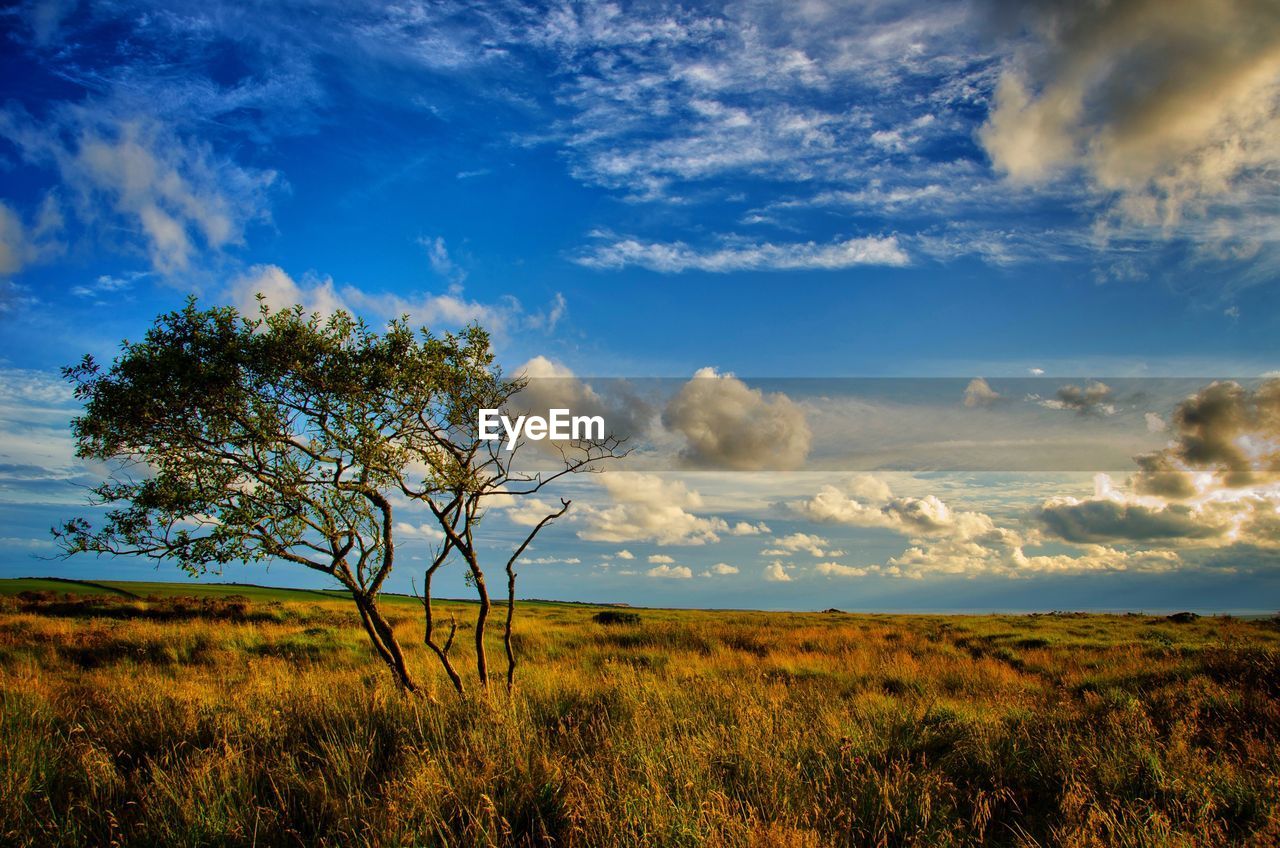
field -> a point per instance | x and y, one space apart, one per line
145 714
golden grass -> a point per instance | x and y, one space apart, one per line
146 723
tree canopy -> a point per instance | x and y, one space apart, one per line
285 437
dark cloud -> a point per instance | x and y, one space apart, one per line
1225 429
1101 521
1093 398
1168 109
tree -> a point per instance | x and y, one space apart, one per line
286 437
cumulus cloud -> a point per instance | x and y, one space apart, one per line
727 424
270 286
944 541
916 517
677 572
660 558
1169 108
1215 484
526 511
835 569
720 569
1111 516
980 394
677 257
775 572
949 559
1155 424
645 507
807 542
1213 519
869 487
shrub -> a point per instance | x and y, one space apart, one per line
616 617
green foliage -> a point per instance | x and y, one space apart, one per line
243 439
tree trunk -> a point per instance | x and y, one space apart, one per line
384 640
441 651
482 663
506 631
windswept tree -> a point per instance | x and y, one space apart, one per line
290 437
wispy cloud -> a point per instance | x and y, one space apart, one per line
677 257
173 195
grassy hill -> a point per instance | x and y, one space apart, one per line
140 589
151 714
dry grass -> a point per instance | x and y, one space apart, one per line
195 723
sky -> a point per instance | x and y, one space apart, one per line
908 305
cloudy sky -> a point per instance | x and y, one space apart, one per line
1042 235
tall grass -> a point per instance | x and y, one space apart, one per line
169 722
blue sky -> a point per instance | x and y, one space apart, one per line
769 190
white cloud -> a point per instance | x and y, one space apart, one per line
661 558
678 572
625 554
666 96
428 532
553 560
321 294
869 487
645 507
774 572
279 292
37 451
441 262
1155 424
173 193
915 517
108 286
528 511
677 257
720 569
835 569
814 545
22 244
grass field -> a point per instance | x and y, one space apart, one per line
145 714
